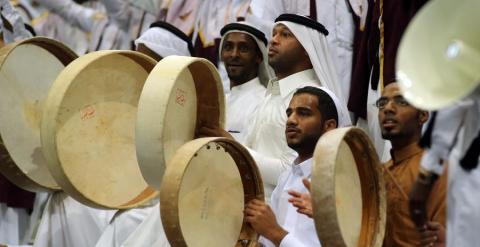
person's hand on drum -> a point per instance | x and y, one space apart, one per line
432 234
261 218
302 201
208 131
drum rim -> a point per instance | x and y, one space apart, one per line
49 126
150 136
374 206
169 191
11 170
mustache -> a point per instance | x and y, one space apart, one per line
292 129
390 118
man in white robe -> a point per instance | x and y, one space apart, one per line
300 57
244 53
311 112
454 136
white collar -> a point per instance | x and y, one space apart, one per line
303 169
292 82
255 82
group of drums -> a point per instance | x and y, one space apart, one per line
115 129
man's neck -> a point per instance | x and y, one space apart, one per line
281 74
303 157
234 83
400 149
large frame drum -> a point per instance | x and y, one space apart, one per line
180 95
348 192
27 71
206 185
88 129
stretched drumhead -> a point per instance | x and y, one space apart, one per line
88 129
180 95
439 58
348 193
202 196
27 71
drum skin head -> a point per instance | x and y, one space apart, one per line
348 192
88 129
181 94
202 197
439 56
27 70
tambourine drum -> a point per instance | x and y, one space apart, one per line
202 197
348 193
181 94
88 129
439 58
27 70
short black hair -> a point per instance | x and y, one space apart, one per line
326 105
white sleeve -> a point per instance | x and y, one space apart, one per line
445 129
291 241
15 21
74 13
272 167
118 10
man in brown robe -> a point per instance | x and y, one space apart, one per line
401 124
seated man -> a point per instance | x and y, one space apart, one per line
311 112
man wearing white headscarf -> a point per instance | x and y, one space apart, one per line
335 15
163 39
243 51
142 224
297 62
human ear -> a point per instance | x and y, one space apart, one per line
330 124
423 116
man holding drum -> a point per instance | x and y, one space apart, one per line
299 55
312 112
401 124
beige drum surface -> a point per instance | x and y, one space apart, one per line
347 189
203 193
180 95
439 58
27 71
88 129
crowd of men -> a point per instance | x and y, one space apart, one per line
292 70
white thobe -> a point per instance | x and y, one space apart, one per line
66 222
124 223
13 224
335 15
241 103
456 126
300 228
149 233
266 136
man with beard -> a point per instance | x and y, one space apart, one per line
300 57
401 124
311 113
244 53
